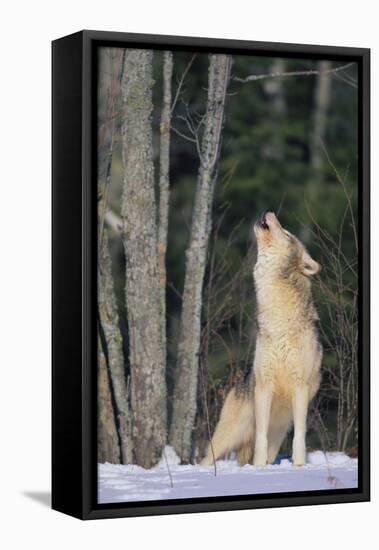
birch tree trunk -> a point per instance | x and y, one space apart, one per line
164 181
109 91
146 349
185 388
108 449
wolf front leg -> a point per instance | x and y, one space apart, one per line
300 401
263 399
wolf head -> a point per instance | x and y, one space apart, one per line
280 253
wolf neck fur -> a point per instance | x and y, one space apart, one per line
284 304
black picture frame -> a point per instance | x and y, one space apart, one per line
74 475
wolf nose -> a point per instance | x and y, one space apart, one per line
269 211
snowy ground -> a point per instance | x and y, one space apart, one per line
132 483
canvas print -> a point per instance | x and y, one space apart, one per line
227 274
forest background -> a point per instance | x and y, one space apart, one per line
287 141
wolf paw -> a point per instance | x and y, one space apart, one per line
260 460
298 459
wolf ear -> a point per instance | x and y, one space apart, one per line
309 266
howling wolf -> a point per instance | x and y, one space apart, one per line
259 411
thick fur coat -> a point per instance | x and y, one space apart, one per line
258 413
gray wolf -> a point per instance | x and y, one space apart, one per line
258 413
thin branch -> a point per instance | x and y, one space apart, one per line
347 79
181 81
194 140
175 290
184 136
168 468
281 202
254 77
348 197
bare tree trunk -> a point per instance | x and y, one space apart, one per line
275 90
164 181
185 389
109 320
274 86
109 91
321 105
147 354
322 96
108 449
110 65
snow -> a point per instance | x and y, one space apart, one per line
169 457
126 483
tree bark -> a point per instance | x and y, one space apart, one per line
164 181
109 320
186 379
274 86
322 97
108 449
108 92
110 65
146 349
275 90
